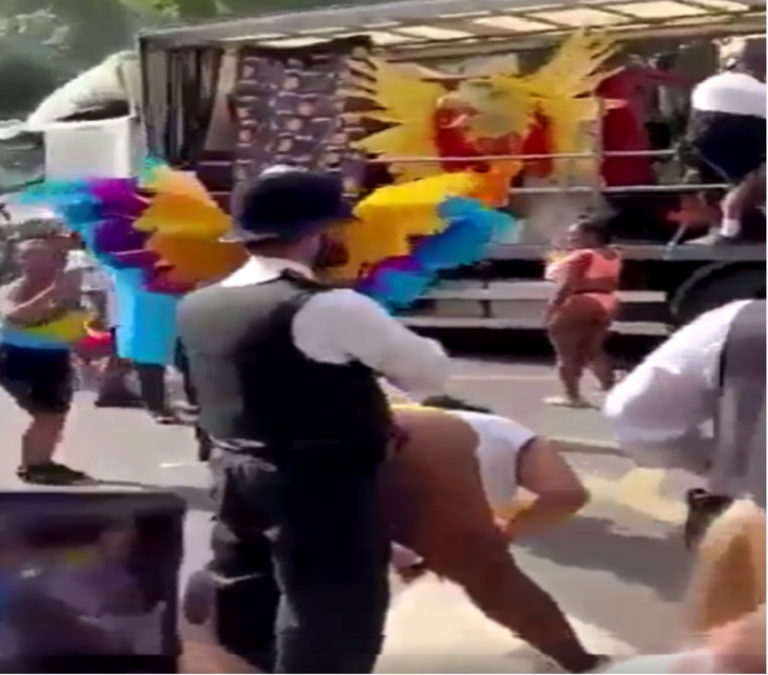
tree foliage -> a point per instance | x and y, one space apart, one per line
46 42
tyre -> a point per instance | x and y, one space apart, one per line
713 286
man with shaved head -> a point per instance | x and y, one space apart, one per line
727 130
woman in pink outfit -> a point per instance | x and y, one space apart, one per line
583 308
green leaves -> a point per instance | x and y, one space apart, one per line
45 42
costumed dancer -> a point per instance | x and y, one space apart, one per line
711 370
726 137
583 307
286 371
452 495
40 319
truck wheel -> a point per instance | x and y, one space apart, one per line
715 285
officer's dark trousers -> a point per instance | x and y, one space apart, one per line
327 549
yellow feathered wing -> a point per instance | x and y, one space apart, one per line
564 89
391 216
406 102
185 224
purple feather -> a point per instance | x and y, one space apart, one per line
116 235
118 196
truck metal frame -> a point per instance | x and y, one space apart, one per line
433 29
438 30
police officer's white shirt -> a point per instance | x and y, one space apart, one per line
342 326
658 410
731 93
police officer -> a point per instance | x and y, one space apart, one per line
287 375
711 371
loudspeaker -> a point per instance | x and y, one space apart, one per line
89 581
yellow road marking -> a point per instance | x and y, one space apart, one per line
579 444
639 491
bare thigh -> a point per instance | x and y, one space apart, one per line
542 470
572 331
435 497
595 339
566 339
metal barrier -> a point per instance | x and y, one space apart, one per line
548 155
599 188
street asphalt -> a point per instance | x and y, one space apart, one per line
618 569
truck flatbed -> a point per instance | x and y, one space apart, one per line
639 251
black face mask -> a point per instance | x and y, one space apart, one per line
332 253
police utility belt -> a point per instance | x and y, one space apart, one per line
274 452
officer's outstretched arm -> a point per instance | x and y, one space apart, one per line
342 325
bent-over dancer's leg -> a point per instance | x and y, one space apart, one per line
438 507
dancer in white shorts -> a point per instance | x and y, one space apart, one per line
510 456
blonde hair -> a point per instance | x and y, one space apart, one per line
729 581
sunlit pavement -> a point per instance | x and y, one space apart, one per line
617 569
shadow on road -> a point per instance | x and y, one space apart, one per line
657 561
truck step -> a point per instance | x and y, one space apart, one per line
521 323
520 302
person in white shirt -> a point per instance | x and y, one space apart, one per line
660 412
453 496
727 132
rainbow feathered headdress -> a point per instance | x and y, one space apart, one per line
162 229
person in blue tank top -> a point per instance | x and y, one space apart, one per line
35 366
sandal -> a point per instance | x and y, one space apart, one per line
166 417
52 473
119 400
566 402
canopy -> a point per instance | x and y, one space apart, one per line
418 28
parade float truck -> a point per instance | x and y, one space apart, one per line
562 120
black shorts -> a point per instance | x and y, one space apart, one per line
725 148
39 380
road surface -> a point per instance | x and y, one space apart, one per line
618 568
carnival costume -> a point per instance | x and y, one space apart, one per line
159 235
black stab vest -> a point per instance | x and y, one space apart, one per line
255 385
